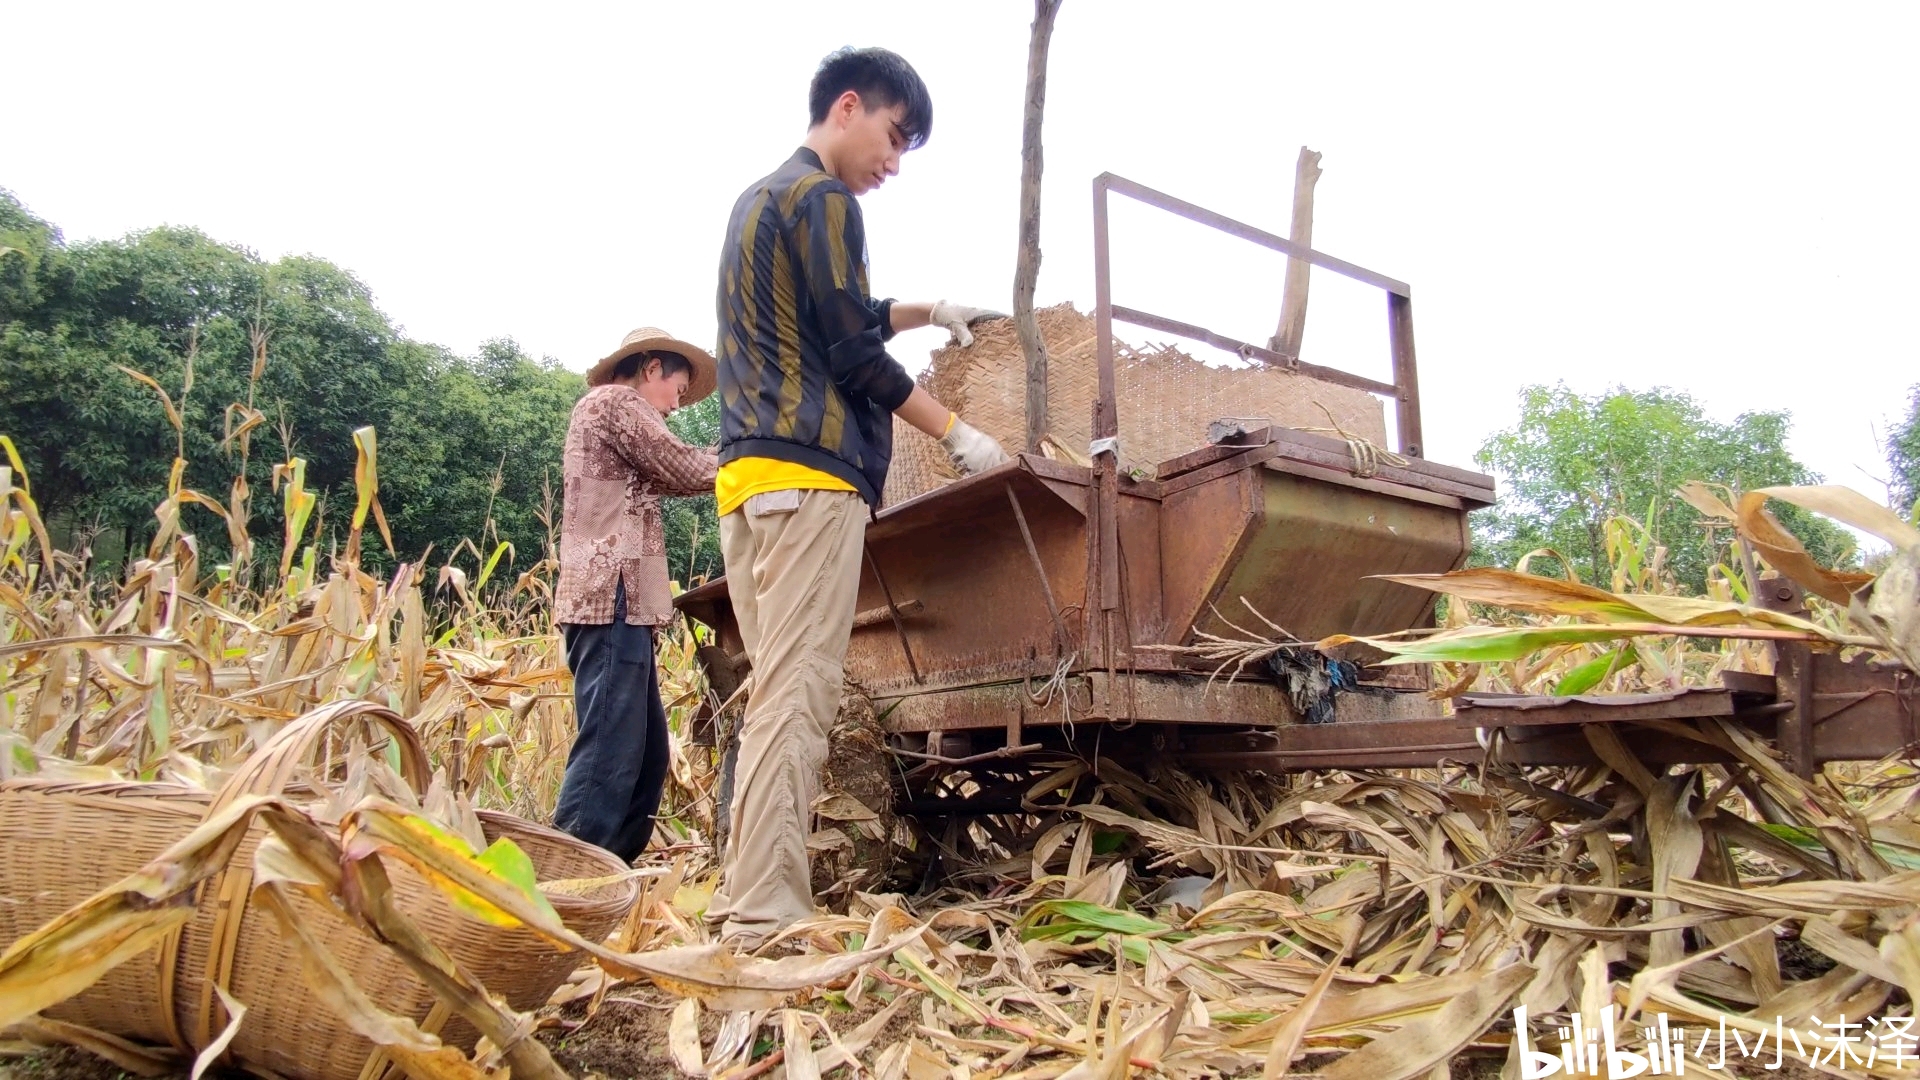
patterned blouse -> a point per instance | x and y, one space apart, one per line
620 459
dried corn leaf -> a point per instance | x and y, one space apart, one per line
1421 1044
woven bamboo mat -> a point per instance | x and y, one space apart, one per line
1167 398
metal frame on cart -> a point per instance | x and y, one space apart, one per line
1103 558
1816 708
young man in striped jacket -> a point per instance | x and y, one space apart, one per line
808 397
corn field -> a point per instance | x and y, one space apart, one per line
1351 925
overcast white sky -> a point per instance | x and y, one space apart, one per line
1716 198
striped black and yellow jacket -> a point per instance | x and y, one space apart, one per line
805 377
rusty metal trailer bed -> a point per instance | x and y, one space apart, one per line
1040 605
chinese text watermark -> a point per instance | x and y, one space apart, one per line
1668 1049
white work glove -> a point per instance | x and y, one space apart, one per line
957 318
972 450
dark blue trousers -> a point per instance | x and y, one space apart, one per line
618 765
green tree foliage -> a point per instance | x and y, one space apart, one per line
1903 457
1572 462
470 447
693 527
475 442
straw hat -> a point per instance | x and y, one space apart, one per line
653 339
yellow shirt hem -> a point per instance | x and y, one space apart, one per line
743 478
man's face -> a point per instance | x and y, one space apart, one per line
868 144
663 392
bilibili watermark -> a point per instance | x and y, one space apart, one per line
1665 1048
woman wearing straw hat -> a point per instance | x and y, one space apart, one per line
620 459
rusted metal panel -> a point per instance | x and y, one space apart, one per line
1793 674
1498 710
893 616
978 608
1060 635
1309 564
1873 715
1793 677
961 554
1343 477
1842 686
1469 483
709 606
1312 449
1309 454
1570 747
1423 744
1402 744
1186 463
1209 527
973 707
1749 682
1139 544
1074 495
1128 699
1185 699
1088 699
1863 709
984 616
1298 548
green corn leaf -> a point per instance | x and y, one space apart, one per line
1808 840
1085 920
493 562
1479 644
503 860
1592 673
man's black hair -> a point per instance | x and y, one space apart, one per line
883 79
670 364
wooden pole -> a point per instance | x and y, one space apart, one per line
1406 375
1293 301
1027 273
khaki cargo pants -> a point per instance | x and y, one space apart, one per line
793 573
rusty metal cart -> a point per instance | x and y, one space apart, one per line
1030 608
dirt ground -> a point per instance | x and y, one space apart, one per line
627 1039
66 1063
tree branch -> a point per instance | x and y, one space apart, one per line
1027 273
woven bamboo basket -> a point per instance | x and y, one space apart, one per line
167 997
1166 398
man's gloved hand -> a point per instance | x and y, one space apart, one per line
972 450
957 318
